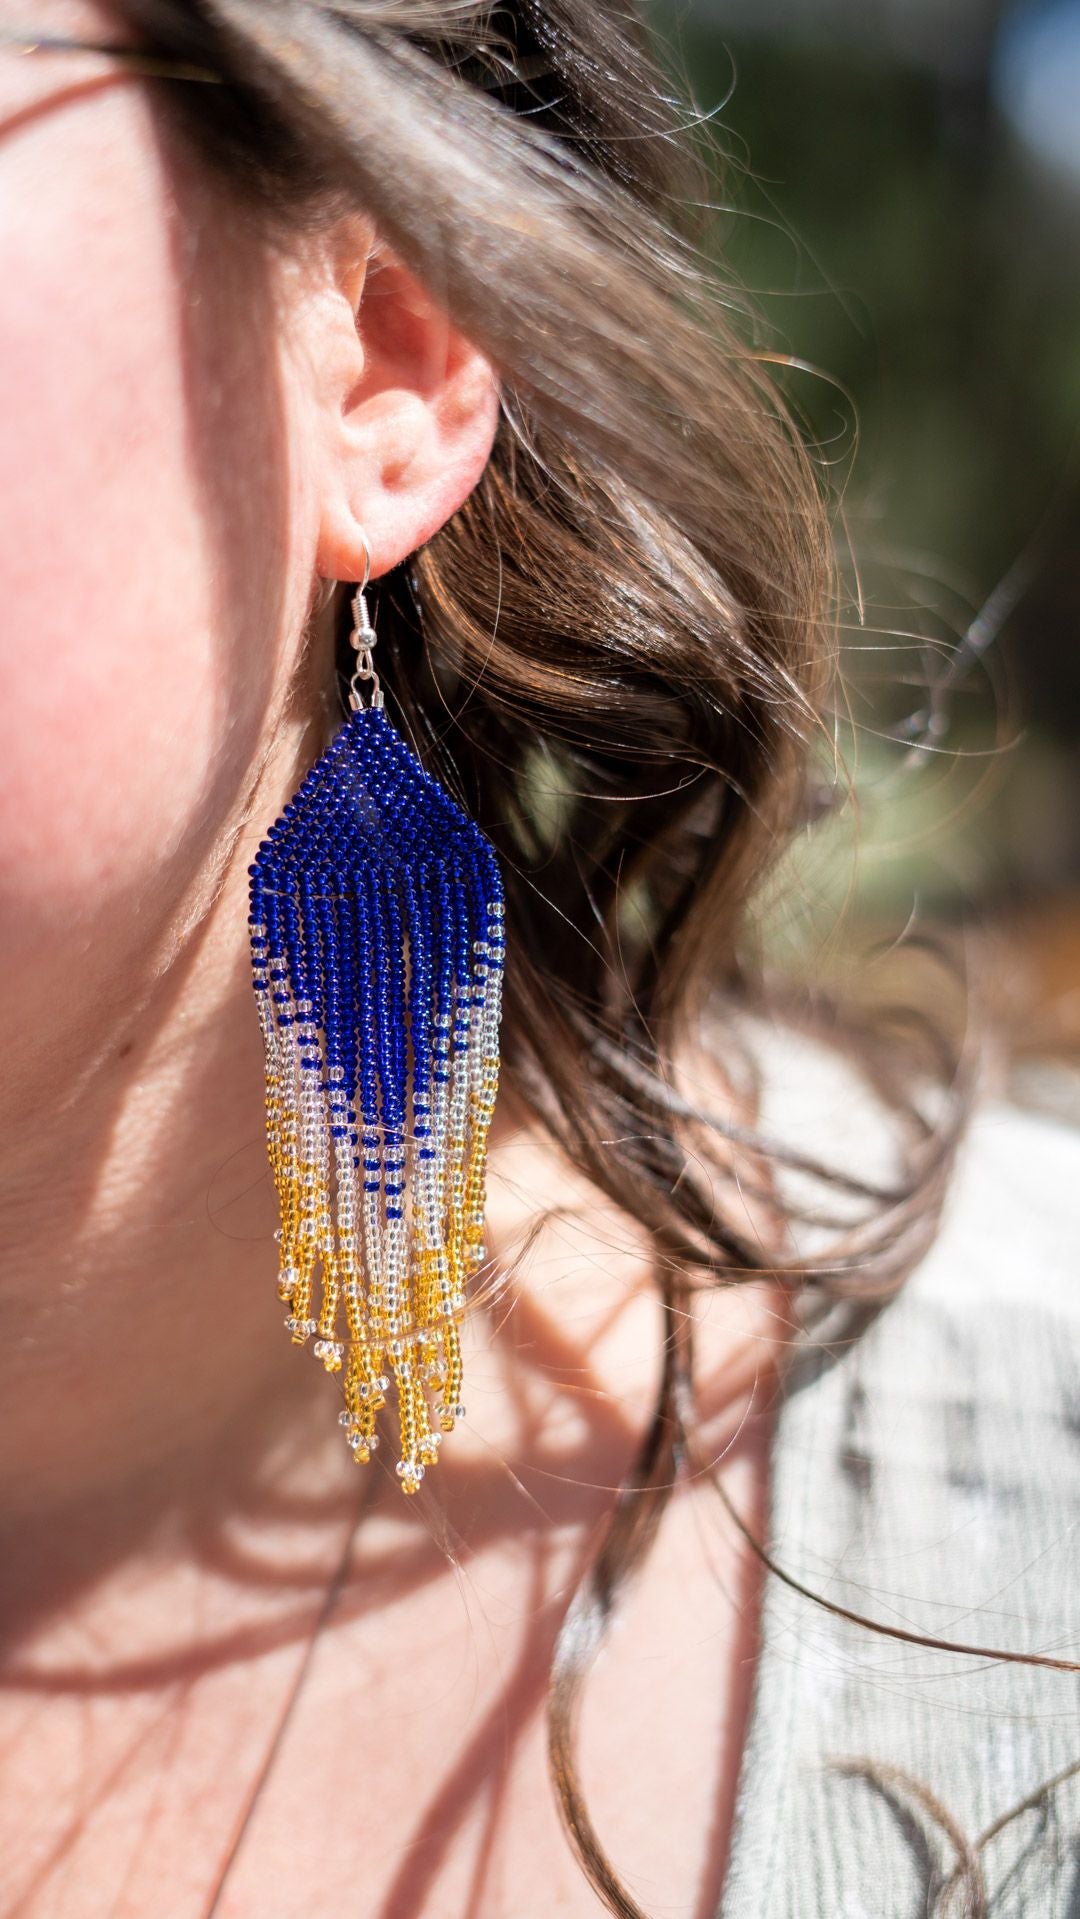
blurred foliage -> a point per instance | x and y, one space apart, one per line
895 236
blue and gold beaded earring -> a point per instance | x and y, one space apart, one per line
377 954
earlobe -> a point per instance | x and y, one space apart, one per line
409 409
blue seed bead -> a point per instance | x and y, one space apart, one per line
372 886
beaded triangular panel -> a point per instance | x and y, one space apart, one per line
377 954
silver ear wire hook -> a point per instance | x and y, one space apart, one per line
363 637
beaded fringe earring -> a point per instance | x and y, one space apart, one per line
377 956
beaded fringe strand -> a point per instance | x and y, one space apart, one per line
377 952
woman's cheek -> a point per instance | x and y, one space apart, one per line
144 515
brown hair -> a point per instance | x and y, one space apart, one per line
619 651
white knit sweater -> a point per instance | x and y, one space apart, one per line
929 1475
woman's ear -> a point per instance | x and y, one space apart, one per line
405 408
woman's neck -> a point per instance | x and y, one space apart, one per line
145 1372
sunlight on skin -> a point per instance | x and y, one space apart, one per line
192 434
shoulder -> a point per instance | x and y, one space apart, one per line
974 1367
924 1477
1011 1223
955 1414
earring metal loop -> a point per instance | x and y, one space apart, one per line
363 637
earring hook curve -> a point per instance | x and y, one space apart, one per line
363 637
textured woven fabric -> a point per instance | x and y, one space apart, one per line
928 1475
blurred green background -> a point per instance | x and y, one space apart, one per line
903 179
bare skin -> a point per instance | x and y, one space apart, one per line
157 1629
156 1632
177 1511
